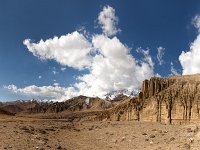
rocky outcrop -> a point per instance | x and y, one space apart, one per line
167 100
172 100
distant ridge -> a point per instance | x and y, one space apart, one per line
4 112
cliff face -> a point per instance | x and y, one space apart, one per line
168 100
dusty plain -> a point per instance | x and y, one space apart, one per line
28 133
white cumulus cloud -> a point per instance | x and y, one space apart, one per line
114 68
190 60
108 61
160 54
51 92
108 21
70 50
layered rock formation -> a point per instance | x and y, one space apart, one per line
167 100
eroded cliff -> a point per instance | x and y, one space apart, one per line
167 100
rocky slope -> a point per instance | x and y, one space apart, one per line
80 103
18 106
167 100
3 112
76 104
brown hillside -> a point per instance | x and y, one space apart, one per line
4 112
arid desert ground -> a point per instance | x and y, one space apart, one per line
25 133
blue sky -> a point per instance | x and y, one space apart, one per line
147 24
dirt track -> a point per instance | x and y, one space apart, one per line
19 133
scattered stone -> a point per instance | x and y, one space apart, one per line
189 130
152 136
171 139
42 131
151 142
192 128
190 140
97 127
91 128
162 134
115 141
77 130
134 137
123 138
160 131
59 147
24 128
99 138
154 130
144 133
45 139
187 146
104 120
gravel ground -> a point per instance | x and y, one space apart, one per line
21 133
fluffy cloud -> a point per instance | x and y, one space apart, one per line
114 68
160 54
108 21
70 50
50 92
190 60
109 62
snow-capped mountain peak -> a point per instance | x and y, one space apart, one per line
125 92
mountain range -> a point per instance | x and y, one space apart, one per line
170 100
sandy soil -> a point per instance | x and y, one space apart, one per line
18 133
